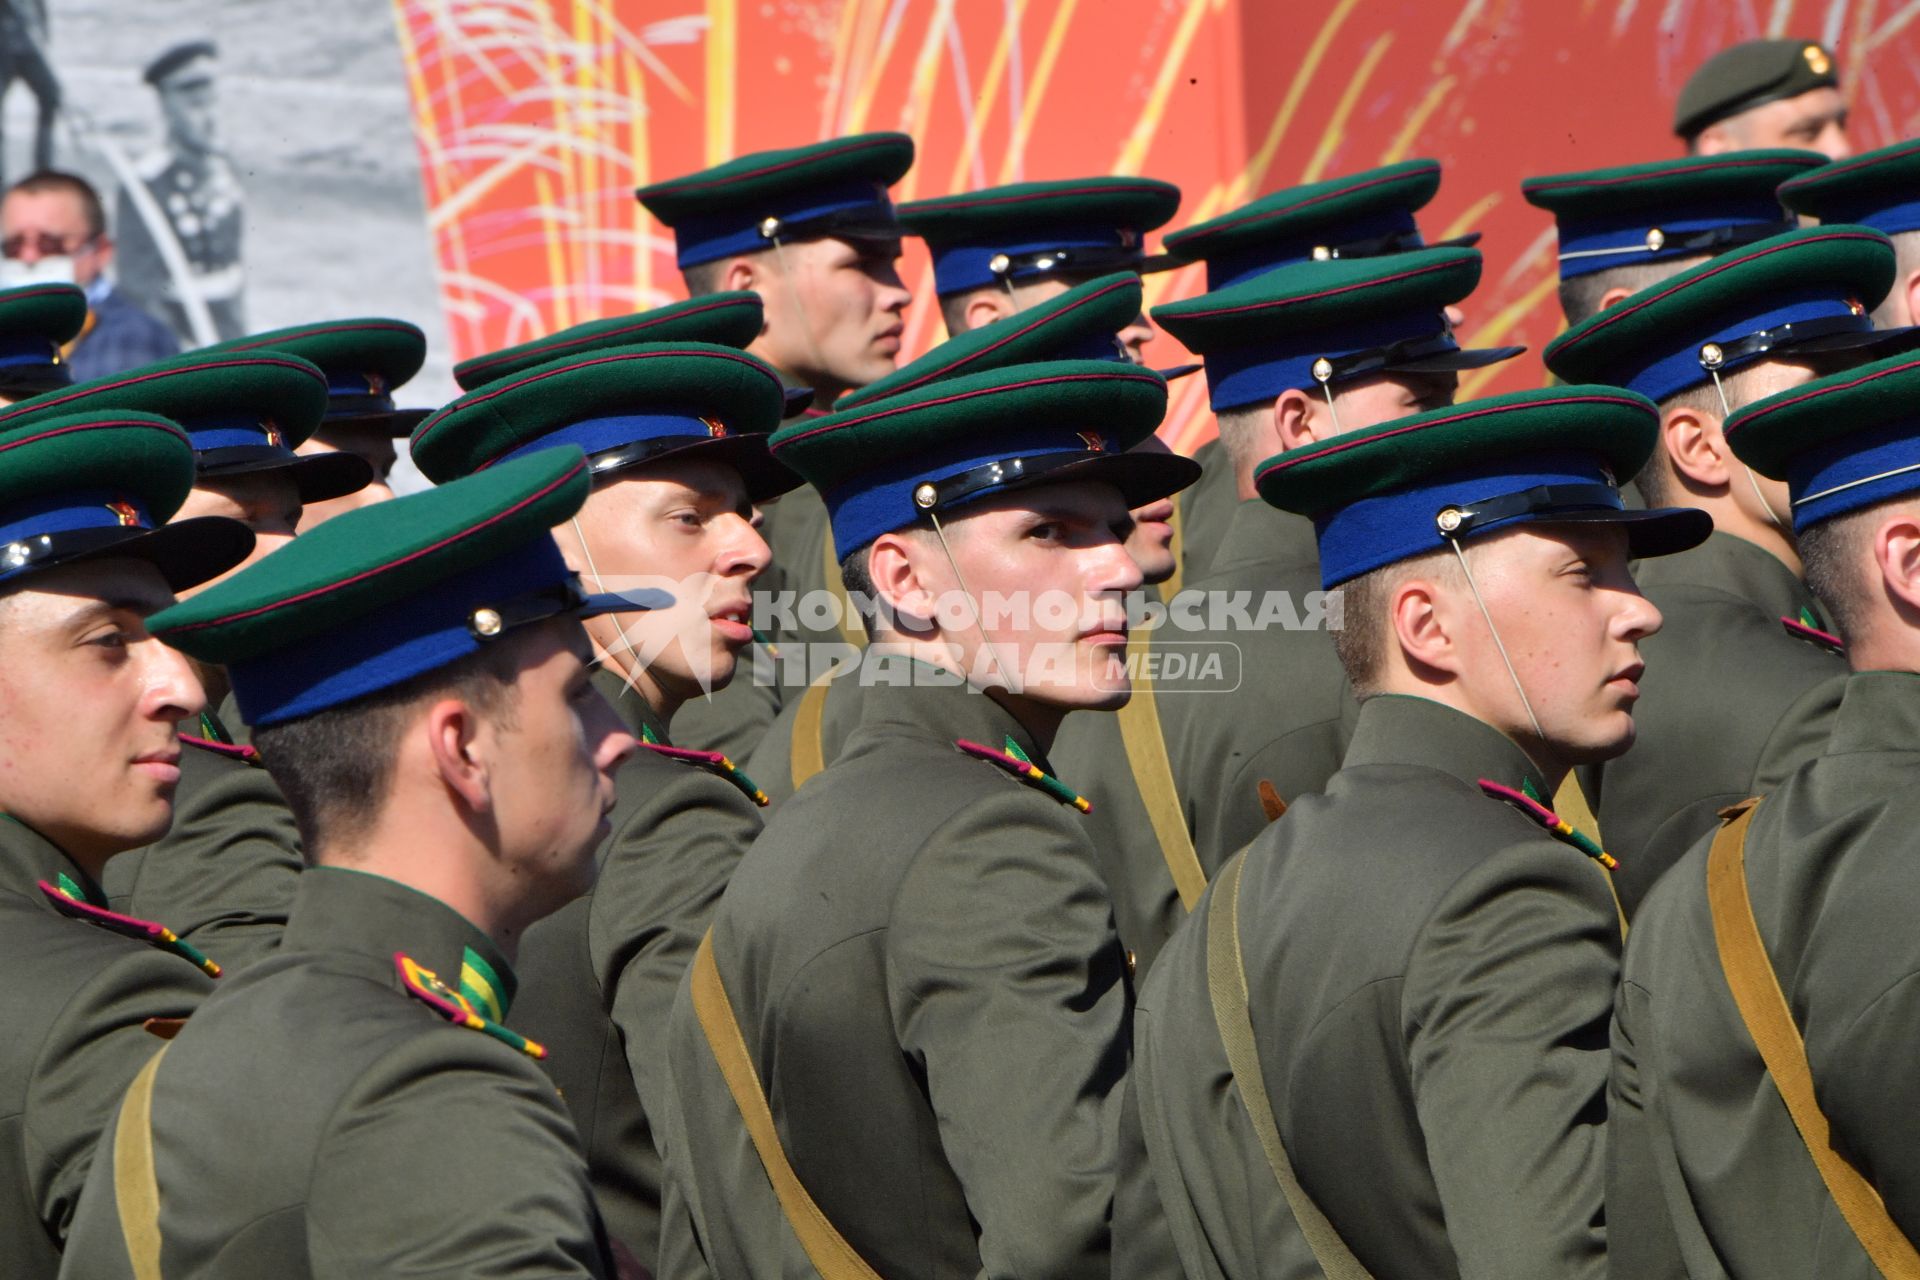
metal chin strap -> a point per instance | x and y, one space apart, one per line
1451 529
630 675
1323 374
927 497
1712 357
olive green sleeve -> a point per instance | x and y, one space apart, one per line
223 877
92 1052
1640 1236
1874 1122
1505 1009
452 1157
1008 992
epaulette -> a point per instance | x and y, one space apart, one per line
231 750
714 762
1802 628
1015 762
1555 825
72 905
425 986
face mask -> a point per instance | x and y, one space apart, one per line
52 270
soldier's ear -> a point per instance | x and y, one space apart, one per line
985 306
1617 294
907 602
451 740
1293 421
1896 560
1421 626
1696 448
740 274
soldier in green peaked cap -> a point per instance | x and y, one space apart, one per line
940 1032
1764 93
1879 189
1408 977
224 874
88 769
1741 684
37 322
365 361
676 435
419 682
1798 901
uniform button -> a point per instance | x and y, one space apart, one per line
1132 964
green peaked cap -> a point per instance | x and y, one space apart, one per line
363 358
1879 189
1547 456
1032 230
626 406
244 411
1083 322
36 320
98 485
390 591
1842 443
1802 293
962 439
729 319
1749 75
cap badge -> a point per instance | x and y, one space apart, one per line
376 383
1322 369
1817 60
1095 442
1128 237
272 429
715 428
1656 238
125 512
1856 306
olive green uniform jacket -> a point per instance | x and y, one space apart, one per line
315 1119
224 874
1429 976
74 1004
1206 508
1730 704
598 977
922 962
1707 1174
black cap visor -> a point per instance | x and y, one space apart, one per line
186 552
317 476
1660 531
394 422
747 454
1140 477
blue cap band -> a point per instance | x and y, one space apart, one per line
960 267
1260 371
28 351
1375 532
367 393
1660 375
1224 269
709 237
1888 219
1620 239
597 435
881 501
420 633
1854 472
66 513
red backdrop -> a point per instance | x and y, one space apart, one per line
536 118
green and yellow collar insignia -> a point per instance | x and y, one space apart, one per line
72 899
458 1007
1016 762
714 761
1526 800
482 987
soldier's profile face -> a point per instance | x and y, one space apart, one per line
551 759
370 443
1151 542
684 525
1049 569
1571 619
89 707
190 106
267 502
833 311
1368 402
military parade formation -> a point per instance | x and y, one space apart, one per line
769 809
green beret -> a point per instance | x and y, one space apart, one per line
36 321
1412 485
1878 189
363 360
387 592
1081 324
1667 209
1031 230
91 486
1750 75
626 407
1358 215
1797 294
886 464
1310 323
832 188
730 319
244 412
1842 443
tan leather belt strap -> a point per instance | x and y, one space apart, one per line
1153 776
1178 523
825 1247
1570 802
1227 982
808 751
1763 1007
850 626
135 1187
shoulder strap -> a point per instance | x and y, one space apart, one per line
1153 776
825 1247
1227 983
1763 1007
808 754
135 1187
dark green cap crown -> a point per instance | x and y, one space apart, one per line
731 319
1750 75
1878 189
364 360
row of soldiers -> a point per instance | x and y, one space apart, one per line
386 900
